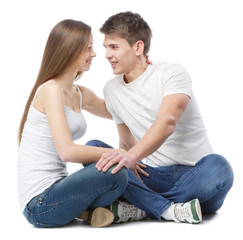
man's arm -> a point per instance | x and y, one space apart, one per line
170 111
126 139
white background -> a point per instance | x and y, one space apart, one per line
205 36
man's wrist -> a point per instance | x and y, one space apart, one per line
133 156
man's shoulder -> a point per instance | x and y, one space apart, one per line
113 82
167 66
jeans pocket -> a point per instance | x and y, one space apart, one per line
38 214
29 209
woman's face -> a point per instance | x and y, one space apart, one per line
85 61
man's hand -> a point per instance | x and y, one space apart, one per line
115 157
139 169
121 158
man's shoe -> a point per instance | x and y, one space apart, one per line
189 212
100 217
126 212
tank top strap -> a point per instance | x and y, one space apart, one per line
38 89
80 94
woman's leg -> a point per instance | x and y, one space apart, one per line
67 199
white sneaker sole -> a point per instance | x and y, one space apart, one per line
100 217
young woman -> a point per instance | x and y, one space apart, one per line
52 120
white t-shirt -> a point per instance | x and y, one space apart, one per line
137 103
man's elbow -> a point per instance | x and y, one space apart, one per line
171 124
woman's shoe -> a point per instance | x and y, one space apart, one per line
99 217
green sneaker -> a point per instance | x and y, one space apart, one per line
189 212
126 212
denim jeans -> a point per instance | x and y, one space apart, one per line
209 181
67 199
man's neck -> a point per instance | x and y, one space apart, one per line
138 69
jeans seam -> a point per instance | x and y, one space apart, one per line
154 209
192 175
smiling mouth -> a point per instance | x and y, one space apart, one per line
113 64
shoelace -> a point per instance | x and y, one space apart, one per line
181 212
129 211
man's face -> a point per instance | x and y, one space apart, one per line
120 54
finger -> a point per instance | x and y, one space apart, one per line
104 161
141 165
103 157
112 161
117 168
136 173
142 171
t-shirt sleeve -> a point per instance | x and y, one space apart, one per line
109 105
177 80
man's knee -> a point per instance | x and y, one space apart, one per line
224 171
97 143
93 143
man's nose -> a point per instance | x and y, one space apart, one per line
108 54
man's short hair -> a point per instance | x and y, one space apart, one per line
130 26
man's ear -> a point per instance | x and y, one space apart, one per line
139 47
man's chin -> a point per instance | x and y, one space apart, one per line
116 72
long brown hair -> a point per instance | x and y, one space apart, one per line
68 40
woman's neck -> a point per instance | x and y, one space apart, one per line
66 81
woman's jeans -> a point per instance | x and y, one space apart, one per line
67 199
209 181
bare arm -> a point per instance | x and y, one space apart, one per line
51 101
170 111
93 104
126 139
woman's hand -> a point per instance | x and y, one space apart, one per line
148 60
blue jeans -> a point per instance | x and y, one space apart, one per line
209 181
67 199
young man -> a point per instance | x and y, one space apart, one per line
158 120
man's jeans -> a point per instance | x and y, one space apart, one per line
209 181
67 199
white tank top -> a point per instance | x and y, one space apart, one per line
39 165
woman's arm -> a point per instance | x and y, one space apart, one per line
94 104
51 101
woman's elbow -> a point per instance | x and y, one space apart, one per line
64 157
66 154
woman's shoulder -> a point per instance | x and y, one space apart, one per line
47 92
50 85
51 88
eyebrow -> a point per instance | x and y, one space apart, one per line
110 45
